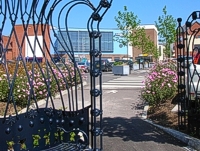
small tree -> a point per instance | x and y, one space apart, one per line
166 26
131 32
149 47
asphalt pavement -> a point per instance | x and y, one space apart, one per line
124 126
127 130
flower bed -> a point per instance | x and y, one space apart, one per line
38 83
160 84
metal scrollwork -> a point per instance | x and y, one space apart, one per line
38 95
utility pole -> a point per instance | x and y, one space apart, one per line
127 50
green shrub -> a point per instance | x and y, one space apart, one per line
22 86
118 63
160 84
3 87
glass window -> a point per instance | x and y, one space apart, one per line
81 41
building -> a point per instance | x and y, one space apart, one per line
111 49
193 39
18 46
150 31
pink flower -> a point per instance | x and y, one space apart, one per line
169 85
148 91
143 81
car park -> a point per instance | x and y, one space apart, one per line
105 65
83 65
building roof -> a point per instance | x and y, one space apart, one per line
145 26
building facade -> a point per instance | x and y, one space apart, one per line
193 39
110 49
18 46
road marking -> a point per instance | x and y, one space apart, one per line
111 91
137 84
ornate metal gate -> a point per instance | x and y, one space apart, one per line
44 103
188 64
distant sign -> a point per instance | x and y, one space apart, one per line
119 34
120 45
144 55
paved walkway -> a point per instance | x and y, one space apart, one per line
126 131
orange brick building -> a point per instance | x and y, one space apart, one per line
17 42
152 33
193 39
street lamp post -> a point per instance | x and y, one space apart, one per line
127 50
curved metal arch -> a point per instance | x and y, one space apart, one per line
78 2
41 18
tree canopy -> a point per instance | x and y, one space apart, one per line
166 26
133 33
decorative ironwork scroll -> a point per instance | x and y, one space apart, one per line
43 103
188 52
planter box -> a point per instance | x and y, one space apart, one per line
135 66
121 70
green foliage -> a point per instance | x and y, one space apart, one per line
148 47
132 33
128 22
72 137
23 87
36 139
47 138
160 84
118 63
10 145
56 135
166 26
23 146
62 135
3 87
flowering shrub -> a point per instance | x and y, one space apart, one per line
160 84
3 87
22 84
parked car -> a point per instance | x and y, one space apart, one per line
105 65
128 62
192 78
111 62
83 65
88 66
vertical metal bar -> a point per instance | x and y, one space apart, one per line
92 67
100 99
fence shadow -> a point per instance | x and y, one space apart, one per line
136 130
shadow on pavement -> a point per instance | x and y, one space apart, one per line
136 130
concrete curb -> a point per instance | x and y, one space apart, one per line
189 140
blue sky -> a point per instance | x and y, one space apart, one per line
147 11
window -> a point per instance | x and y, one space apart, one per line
81 41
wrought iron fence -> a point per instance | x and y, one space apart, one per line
42 104
188 62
